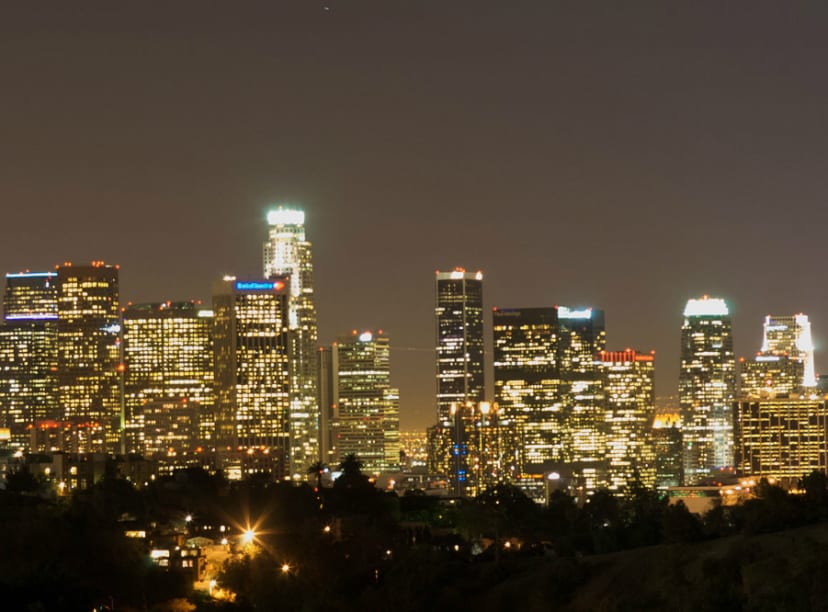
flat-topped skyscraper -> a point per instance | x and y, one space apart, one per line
582 336
168 359
28 354
460 379
288 252
88 347
252 373
706 387
527 385
367 409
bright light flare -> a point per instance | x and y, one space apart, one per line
248 536
285 568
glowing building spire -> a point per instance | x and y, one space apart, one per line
287 252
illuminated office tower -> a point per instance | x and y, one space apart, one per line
629 391
784 438
28 354
581 337
527 386
367 409
785 364
459 313
706 387
168 360
252 370
666 440
460 380
287 252
88 342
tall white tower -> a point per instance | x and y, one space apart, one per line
287 251
791 336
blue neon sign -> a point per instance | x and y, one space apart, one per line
257 286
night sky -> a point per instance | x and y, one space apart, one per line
624 155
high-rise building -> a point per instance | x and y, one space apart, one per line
251 337
88 356
666 440
527 387
28 355
785 364
629 391
288 252
582 336
366 419
168 361
784 438
706 387
324 363
460 379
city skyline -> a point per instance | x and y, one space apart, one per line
672 138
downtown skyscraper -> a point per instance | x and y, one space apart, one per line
527 387
629 391
88 356
288 252
28 355
460 371
582 337
366 419
785 363
706 387
168 379
252 375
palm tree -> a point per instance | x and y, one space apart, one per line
317 469
352 476
351 465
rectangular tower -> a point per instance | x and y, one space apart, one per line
629 391
367 411
527 387
88 351
287 252
706 387
785 364
252 371
28 355
582 337
784 438
460 379
168 361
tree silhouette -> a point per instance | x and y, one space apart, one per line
316 470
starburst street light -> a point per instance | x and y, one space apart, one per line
248 536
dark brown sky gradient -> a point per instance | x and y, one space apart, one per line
626 155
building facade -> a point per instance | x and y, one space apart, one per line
527 387
366 420
785 364
287 252
28 355
666 441
582 337
251 336
784 438
706 387
629 391
459 372
168 368
89 356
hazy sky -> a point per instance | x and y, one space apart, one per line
624 155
